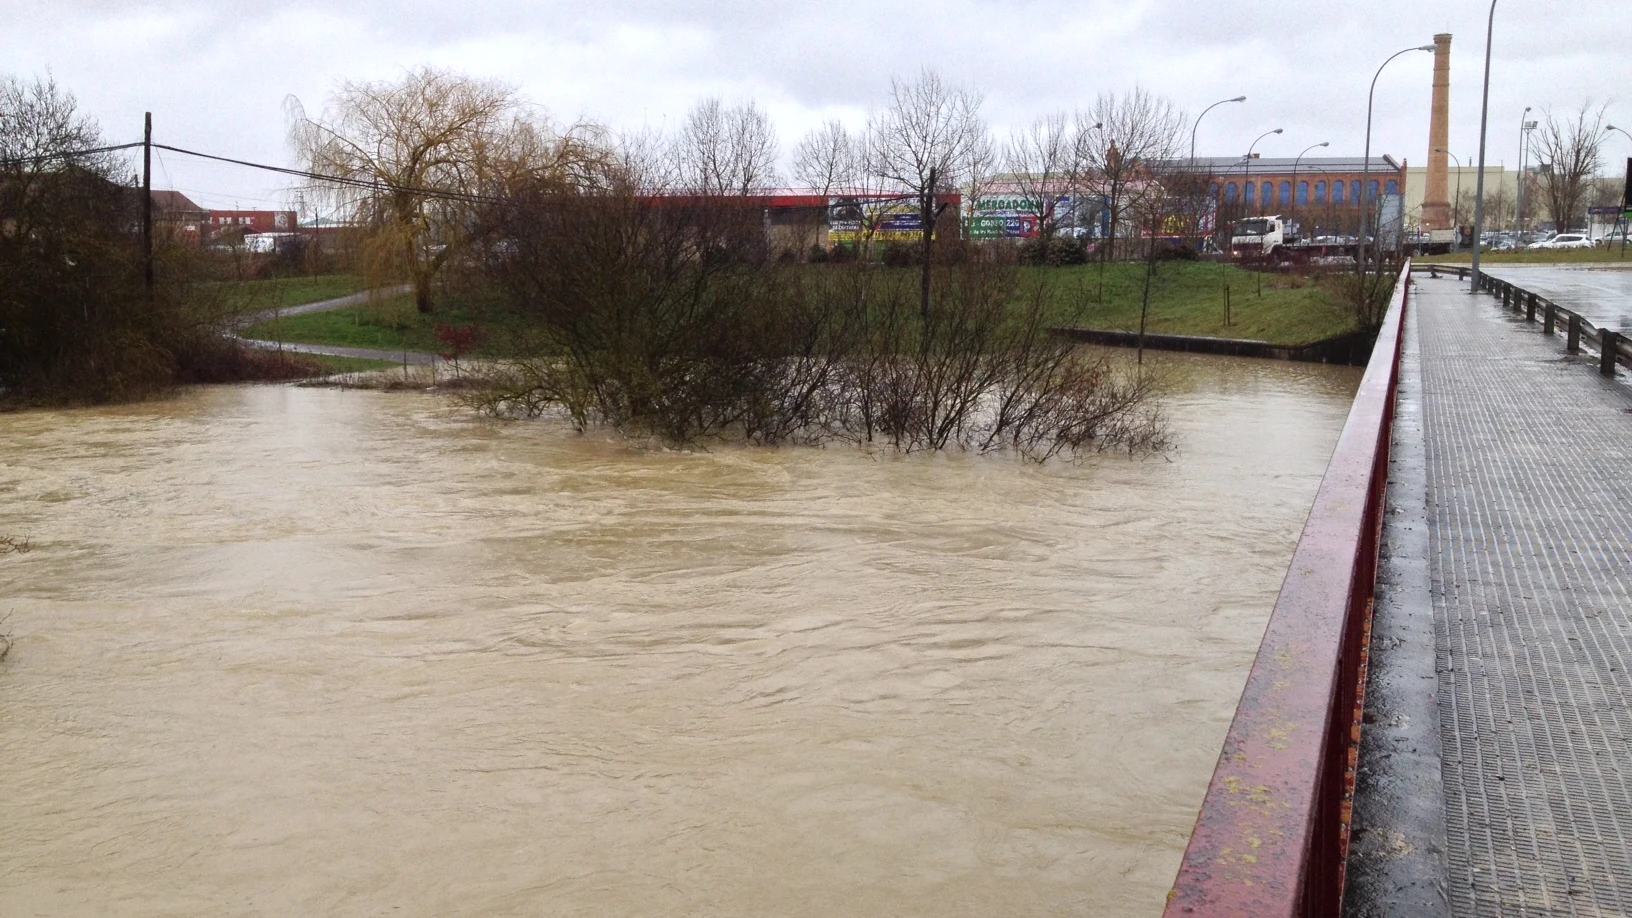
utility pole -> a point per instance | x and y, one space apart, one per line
1479 193
147 202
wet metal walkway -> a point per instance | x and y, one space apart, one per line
1529 477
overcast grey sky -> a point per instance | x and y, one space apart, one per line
215 72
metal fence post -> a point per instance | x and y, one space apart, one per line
1573 342
1607 340
1549 320
1530 308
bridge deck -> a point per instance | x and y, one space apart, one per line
1529 473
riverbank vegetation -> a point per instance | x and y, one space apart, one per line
623 309
643 283
85 315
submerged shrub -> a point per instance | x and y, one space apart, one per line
656 315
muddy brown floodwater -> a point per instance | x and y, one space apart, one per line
286 651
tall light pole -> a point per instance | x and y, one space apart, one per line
1484 112
1323 143
1518 197
1623 220
1197 124
1248 179
1365 166
1454 206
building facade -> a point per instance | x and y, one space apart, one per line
1501 195
252 221
1323 193
176 211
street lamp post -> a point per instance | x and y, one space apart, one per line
1323 143
1247 180
1197 124
1518 197
1458 203
1623 221
1365 166
1484 112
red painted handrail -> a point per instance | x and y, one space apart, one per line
1271 837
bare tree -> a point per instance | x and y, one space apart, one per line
1042 163
726 150
1567 149
1500 207
925 141
409 156
1608 191
826 160
1133 133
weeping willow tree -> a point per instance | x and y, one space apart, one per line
410 159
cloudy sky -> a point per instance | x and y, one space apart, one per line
216 73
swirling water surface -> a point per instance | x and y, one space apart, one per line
286 651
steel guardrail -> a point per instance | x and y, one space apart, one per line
1271 838
1613 347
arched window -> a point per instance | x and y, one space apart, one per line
1286 193
1393 187
1320 192
1266 194
1337 192
1213 191
1303 194
1231 193
1354 192
1371 190
1252 194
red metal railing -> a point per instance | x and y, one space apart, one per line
1272 835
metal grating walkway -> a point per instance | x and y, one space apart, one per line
1529 461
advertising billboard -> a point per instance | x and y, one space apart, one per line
1015 216
896 220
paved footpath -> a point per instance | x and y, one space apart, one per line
1529 473
366 353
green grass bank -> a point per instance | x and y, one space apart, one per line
1186 298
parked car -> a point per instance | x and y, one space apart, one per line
1564 241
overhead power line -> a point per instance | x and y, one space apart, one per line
369 184
374 185
70 154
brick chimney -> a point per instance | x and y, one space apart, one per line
1436 200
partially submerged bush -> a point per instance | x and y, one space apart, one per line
629 318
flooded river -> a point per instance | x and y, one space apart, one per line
286 651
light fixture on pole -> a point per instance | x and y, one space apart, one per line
1484 112
1458 162
1365 166
1197 123
1323 143
1247 181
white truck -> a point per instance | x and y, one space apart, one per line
1277 240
